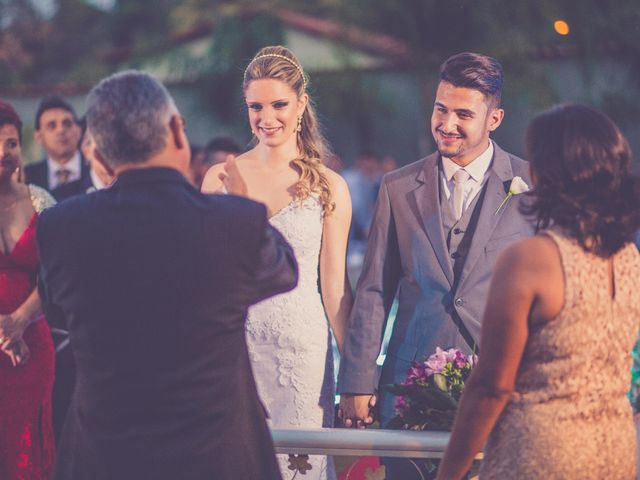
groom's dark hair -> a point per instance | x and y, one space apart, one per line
475 71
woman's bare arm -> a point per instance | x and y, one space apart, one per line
337 295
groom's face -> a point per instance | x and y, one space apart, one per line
461 121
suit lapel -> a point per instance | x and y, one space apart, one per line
496 190
42 177
428 202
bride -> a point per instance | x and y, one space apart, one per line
288 335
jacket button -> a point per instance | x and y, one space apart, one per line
457 231
459 302
455 255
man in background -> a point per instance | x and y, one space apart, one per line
58 131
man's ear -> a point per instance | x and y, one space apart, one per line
37 135
176 129
103 162
495 118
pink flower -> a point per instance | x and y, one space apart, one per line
437 361
450 355
472 359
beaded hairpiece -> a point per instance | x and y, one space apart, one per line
277 55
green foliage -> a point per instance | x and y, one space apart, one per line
235 42
80 43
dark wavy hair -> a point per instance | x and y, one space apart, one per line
475 71
9 116
581 164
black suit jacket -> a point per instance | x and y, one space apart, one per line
38 174
153 280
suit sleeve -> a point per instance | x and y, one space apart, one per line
52 312
275 267
374 296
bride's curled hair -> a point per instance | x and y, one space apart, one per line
279 63
581 164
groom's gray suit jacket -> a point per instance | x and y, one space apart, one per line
409 252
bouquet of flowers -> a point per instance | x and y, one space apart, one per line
428 398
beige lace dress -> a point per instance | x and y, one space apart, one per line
569 417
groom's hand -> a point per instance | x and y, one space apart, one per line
357 410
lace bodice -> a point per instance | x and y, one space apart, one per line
300 223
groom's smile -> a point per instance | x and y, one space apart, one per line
461 121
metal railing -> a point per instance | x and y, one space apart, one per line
350 442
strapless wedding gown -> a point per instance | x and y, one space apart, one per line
289 340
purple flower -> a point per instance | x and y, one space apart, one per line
401 404
459 360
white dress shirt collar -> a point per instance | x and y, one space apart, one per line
95 180
476 169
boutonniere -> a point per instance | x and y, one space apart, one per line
516 187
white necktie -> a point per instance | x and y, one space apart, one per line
459 181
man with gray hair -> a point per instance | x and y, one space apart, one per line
153 280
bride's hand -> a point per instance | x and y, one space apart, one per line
232 179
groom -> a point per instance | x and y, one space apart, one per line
435 237
153 280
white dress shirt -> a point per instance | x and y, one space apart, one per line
74 166
95 180
478 171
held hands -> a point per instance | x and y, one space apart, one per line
232 179
357 411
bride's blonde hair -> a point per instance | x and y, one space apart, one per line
279 63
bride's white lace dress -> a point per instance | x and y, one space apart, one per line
289 341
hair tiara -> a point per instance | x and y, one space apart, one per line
277 55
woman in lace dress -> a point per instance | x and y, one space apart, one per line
26 347
288 335
563 312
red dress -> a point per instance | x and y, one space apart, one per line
26 432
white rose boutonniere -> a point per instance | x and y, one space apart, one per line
516 187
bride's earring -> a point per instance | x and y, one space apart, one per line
299 127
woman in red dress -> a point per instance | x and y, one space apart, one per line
26 347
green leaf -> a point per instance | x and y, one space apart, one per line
436 398
440 381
